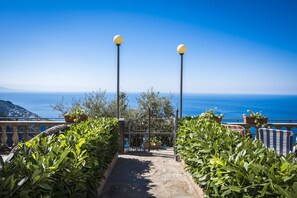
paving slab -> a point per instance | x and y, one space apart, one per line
148 174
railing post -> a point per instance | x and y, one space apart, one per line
149 130
26 133
4 145
174 134
37 129
121 126
15 136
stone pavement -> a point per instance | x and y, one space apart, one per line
149 174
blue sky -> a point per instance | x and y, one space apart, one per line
233 46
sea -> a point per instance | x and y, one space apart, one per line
278 108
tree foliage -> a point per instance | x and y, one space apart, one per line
96 104
161 106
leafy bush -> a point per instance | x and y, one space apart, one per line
225 164
65 165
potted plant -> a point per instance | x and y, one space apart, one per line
75 114
155 143
210 114
255 118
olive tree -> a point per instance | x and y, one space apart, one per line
160 106
96 104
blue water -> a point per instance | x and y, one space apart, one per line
276 107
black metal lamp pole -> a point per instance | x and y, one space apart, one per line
181 49
181 86
118 83
118 41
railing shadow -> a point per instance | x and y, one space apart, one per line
126 180
153 153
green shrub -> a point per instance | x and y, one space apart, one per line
225 164
66 165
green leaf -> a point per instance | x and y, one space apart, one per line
263 192
36 179
203 178
80 143
61 158
215 187
285 166
229 168
35 176
12 183
227 192
295 187
281 190
251 177
235 188
246 166
7 180
24 194
45 186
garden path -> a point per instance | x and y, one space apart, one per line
149 174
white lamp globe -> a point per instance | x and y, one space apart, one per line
181 49
117 39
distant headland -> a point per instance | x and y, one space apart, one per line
8 109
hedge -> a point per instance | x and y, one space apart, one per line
225 164
70 164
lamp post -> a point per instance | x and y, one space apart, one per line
118 41
181 49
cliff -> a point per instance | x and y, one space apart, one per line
8 109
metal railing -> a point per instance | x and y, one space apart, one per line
253 129
140 133
227 120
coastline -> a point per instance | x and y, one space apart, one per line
276 107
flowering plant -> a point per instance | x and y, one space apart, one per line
76 114
210 114
258 118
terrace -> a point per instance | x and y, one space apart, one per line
13 132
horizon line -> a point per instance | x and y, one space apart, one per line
139 92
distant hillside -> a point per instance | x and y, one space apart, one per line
4 89
8 109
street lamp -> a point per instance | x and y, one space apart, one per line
118 41
181 49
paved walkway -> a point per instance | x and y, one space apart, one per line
143 174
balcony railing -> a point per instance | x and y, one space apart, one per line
13 131
253 129
288 126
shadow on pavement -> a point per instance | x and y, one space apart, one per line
126 181
153 153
